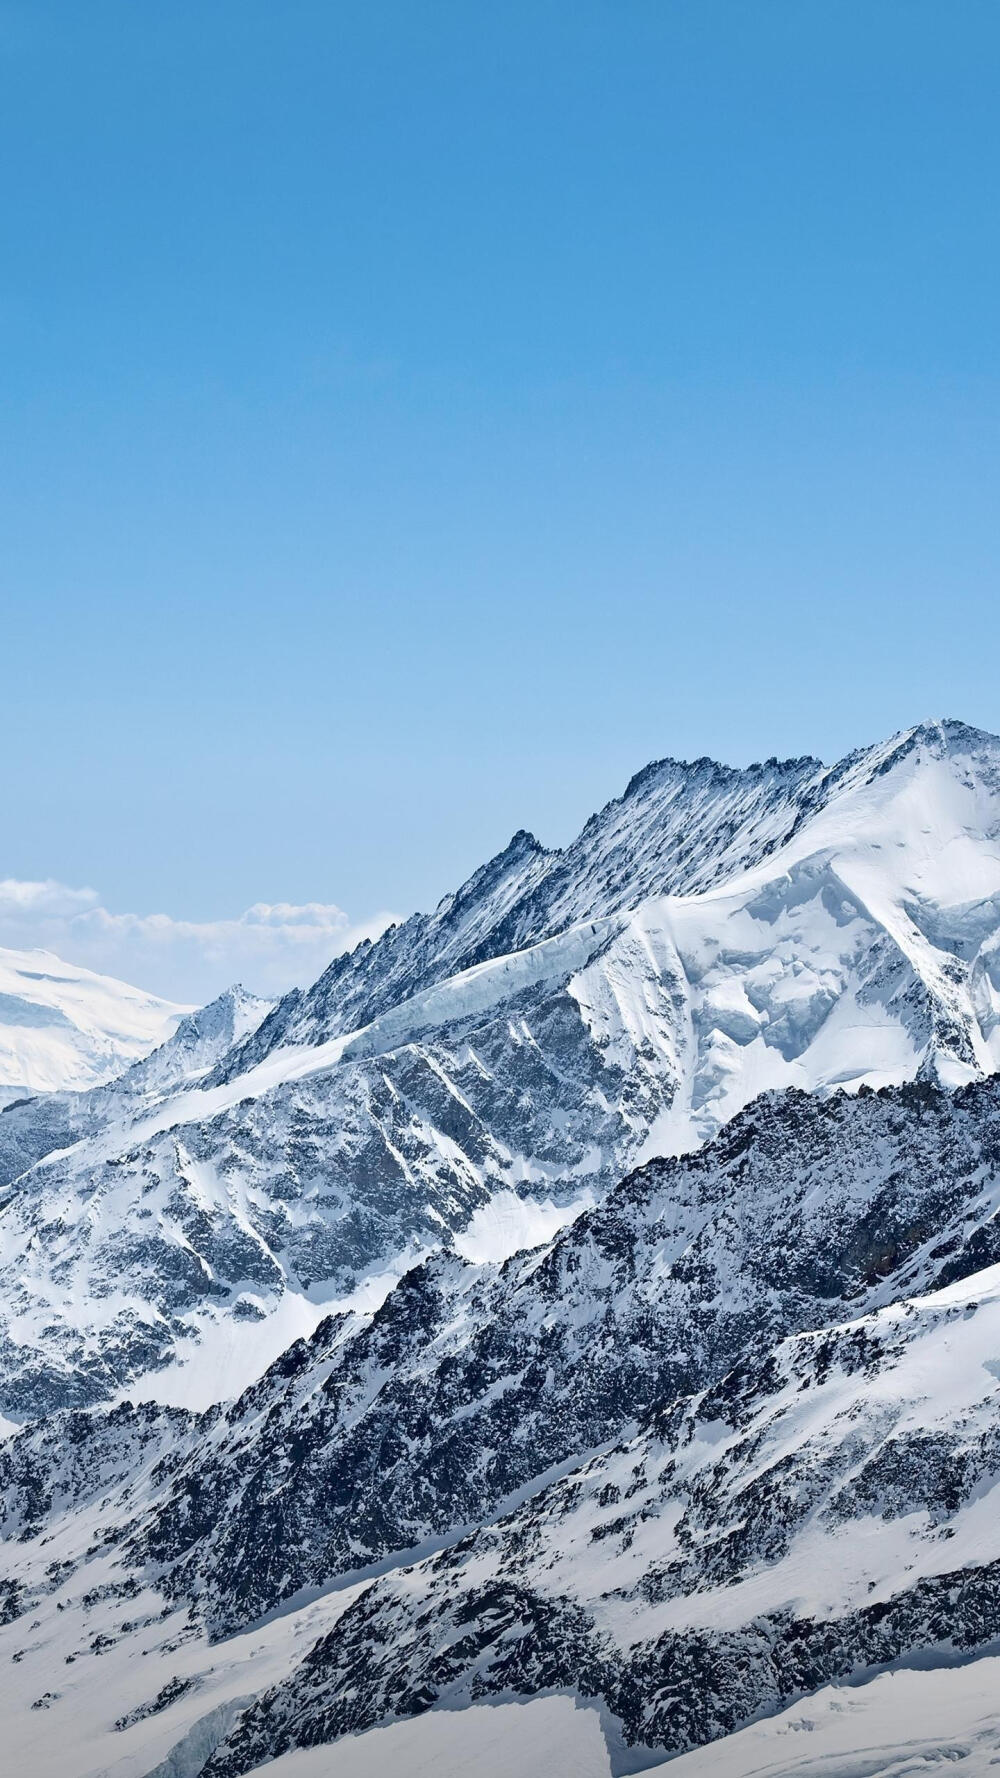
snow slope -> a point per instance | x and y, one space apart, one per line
549 1736
904 1724
64 1027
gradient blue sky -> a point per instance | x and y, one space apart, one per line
415 416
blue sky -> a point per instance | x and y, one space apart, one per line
417 416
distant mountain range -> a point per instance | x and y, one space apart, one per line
66 1028
591 1288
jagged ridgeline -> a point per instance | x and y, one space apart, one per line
586 1290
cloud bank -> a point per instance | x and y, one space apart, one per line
270 948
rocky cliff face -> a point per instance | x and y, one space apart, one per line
814 1515
729 1437
469 1383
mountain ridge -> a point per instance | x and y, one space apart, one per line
298 1020
849 931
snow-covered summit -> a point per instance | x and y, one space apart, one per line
65 1027
680 828
198 1041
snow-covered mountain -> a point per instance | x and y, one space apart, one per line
686 830
62 1027
583 1302
711 935
825 1510
730 1438
36 1125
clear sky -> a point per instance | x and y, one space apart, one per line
416 415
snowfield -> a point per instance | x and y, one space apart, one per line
551 1736
907 1724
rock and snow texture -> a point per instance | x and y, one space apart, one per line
822 1512
711 935
196 1044
37 1125
62 1027
731 1438
703 1474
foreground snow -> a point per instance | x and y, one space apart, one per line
547 1739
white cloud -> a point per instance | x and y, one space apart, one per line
270 947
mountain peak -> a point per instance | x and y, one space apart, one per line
947 733
940 734
937 738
